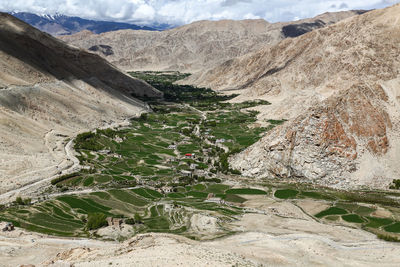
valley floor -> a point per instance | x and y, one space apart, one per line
285 237
166 175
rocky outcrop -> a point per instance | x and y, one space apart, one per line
326 143
195 47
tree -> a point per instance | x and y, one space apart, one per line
96 221
137 218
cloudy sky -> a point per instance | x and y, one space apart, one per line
177 12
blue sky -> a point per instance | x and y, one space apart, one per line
179 12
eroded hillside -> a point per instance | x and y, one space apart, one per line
197 46
339 88
49 91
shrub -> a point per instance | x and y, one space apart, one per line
63 178
396 184
21 201
137 218
130 221
388 238
96 221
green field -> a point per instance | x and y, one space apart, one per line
142 171
331 211
286 193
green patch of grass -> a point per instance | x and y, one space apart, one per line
364 211
316 195
234 198
80 204
144 192
199 187
157 223
285 193
176 195
331 211
88 181
332 218
217 188
351 207
246 191
353 218
125 196
375 222
393 228
102 195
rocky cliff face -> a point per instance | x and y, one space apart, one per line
339 88
197 46
49 90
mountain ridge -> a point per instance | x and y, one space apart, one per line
195 47
59 24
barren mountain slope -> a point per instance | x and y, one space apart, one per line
48 91
340 89
197 46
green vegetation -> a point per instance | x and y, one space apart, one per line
331 211
388 238
375 222
396 184
141 172
21 201
393 228
286 193
353 218
96 221
246 191
64 177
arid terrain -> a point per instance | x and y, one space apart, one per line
45 100
338 87
195 47
281 234
286 161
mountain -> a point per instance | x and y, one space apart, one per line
195 47
339 89
64 25
49 91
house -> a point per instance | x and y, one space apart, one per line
165 190
210 195
190 155
186 173
220 141
116 222
172 147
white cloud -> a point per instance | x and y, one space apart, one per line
186 11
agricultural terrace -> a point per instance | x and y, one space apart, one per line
168 166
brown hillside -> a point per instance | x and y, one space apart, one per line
339 87
197 46
49 90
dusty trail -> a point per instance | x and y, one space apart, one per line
32 187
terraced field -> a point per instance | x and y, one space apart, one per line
170 165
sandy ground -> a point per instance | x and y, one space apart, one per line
279 234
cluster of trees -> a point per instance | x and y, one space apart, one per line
396 184
96 220
87 141
21 201
137 219
64 177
